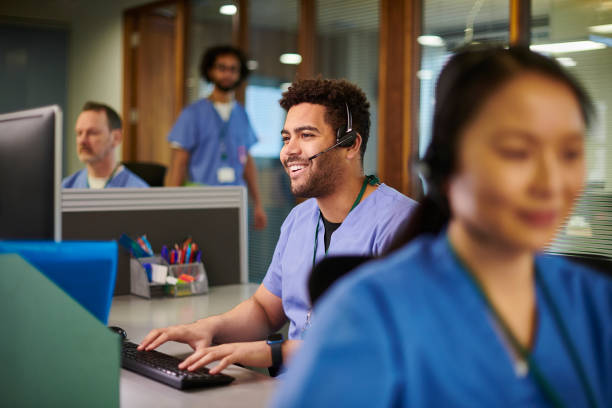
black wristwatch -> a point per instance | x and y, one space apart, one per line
275 341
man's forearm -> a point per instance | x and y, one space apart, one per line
246 322
289 348
177 171
250 176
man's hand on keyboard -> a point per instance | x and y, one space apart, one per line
195 334
254 354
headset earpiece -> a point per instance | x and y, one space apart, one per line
346 135
344 138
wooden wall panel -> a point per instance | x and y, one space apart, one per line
154 39
307 35
240 39
400 23
157 105
520 22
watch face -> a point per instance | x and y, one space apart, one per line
273 338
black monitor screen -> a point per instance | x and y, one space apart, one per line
30 174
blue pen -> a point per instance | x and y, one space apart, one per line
187 255
147 244
132 246
164 253
199 257
148 269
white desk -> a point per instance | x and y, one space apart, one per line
138 316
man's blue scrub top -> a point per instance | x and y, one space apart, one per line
123 178
367 230
410 330
201 131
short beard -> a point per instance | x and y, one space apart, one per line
323 181
228 88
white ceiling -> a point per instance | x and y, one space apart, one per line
332 15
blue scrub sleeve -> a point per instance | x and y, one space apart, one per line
67 182
251 138
347 358
184 132
273 280
128 179
388 231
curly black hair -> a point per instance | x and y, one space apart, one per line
333 94
211 54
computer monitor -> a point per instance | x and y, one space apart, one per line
30 174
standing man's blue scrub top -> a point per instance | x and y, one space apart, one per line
123 178
411 331
201 131
367 230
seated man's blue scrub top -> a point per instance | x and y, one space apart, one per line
411 330
215 146
123 178
367 230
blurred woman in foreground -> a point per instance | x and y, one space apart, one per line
469 313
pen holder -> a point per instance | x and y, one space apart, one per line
196 271
139 282
140 285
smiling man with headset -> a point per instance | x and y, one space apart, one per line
324 140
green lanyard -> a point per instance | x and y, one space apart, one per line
110 178
371 180
521 350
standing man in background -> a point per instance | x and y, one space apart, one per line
211 139
98 133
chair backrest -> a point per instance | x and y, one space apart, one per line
152 173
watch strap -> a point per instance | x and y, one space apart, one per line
277 354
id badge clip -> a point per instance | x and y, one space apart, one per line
226 174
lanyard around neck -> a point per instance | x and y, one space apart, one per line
521 350
371 180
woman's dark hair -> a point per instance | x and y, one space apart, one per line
210 57
466 82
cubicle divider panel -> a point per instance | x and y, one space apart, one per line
54 352
215 217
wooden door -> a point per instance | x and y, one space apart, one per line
153 78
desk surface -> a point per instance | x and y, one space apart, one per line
138 316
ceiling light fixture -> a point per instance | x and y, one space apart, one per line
601 29
290 58
431 41
566 61
228 9
573 46
425 74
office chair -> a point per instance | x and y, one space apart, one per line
152 173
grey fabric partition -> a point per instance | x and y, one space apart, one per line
215 217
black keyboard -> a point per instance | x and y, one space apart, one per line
164 368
